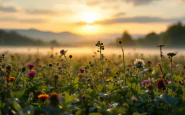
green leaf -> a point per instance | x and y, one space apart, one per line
28 110
18 94
95 114
17 108
169 99
68 98
92 93
136 113
100 87
76 80
91 109
79 112
73 107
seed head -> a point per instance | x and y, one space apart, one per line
83 97
23 69
54 99
161 45
50 65
8 68
63 52
70 56
82 70
56 76
171 54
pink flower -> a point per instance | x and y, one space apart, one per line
30 66
145 82
80 74
31 74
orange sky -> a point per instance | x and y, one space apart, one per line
91 17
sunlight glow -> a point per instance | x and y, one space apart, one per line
89 30
90 17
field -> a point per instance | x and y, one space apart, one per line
64 84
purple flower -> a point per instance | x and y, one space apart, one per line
30 66
145 82
31 74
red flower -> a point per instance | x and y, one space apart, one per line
161 84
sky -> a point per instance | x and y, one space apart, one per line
92 17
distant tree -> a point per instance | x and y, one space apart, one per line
14 39
126 39
174 36
54 43
152 39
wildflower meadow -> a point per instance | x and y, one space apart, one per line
65 84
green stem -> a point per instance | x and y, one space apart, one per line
123 63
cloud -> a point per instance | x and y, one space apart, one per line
133 2
113 7
120 14
8 7
139 2
12 8
47 12
13 19
42 11
138 19
93 3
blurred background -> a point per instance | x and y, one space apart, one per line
139 24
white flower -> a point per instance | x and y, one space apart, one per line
139 63
169 82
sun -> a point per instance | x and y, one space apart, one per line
90 17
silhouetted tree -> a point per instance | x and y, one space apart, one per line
174 36
126 39
14 39
150 40
54 43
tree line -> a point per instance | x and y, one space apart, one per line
12 38
174 36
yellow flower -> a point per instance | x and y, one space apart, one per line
11 79
153 72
